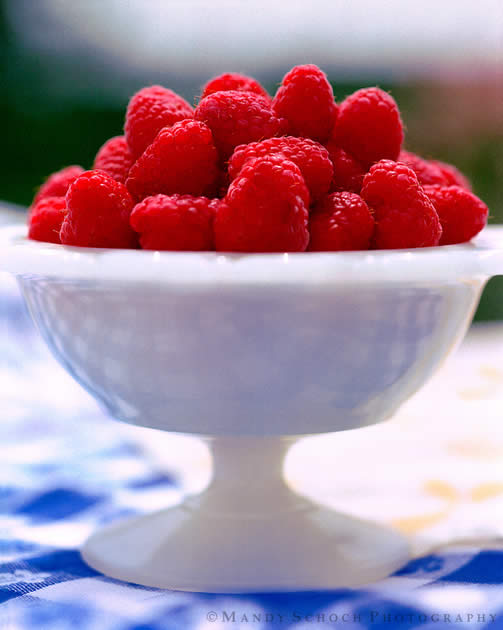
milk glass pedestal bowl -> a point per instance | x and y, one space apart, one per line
251 351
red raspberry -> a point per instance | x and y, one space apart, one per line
114 158
179 222
404 215
453 177
312 159
182 159
305 98
348 173
222 184
238 118
369 126
462 214
149 110
57 184
98 209
426 172
341 221
46 217
265 209
233 81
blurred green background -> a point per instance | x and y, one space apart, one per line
59 104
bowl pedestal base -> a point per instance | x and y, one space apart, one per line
248 532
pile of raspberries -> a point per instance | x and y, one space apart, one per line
244 172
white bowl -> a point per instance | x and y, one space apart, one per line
250 348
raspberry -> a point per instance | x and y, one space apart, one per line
369 127
179 222
98 209
462 214
426 172
114 158
305 98
238 118
404 215
149 110
222 184
182 159
46 217
453 177
57 184
341 221
348 173
265 209
233 81
312 159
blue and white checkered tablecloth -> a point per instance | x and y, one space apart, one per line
66 469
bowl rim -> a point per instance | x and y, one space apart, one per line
481 257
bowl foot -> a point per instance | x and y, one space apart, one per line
181 549
248 532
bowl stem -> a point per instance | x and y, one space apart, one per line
247 532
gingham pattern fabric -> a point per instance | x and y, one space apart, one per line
66 469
